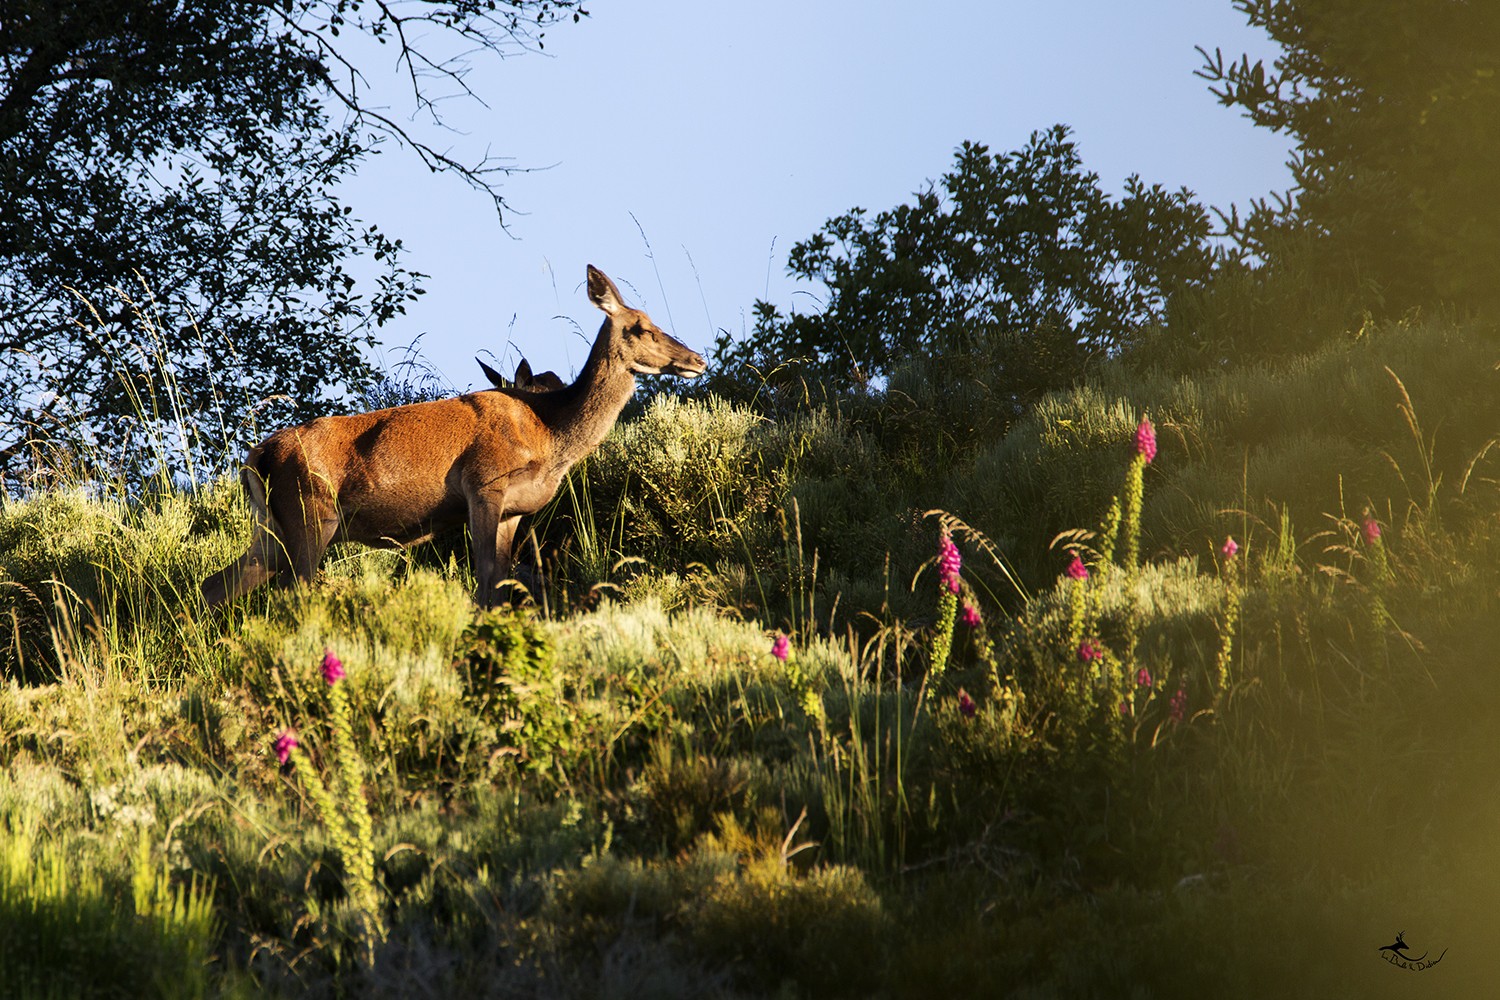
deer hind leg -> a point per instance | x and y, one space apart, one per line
308 516
263 560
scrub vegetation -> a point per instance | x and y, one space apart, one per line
786 719
1124 628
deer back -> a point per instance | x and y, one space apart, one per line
392 474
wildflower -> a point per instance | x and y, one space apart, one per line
949 562
966 706
1143 677
1178 704
782 647
1145 440
1125 708
971 615
333 669
1090 650
1372 530
1230 547
1077 570
285 743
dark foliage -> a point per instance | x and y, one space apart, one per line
187 154
1021 257
1392 111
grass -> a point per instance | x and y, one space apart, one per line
68 931
624 792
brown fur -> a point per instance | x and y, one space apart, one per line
396 476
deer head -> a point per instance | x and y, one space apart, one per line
545 382
644 347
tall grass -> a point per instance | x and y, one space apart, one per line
70 929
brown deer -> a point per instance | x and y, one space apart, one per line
545 382
396 476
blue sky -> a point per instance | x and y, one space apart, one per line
684 152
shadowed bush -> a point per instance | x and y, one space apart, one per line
1319 434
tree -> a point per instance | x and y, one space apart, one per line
1020 256
169 169
1393 108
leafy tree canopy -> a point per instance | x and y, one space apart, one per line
1021 256
187 152
1393 109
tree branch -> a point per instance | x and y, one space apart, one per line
472 22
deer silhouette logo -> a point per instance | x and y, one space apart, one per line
1399 948
1396 955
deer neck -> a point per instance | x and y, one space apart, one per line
596 398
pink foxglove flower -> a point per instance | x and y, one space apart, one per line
285 743
1145 440
1090 650
966 706
949 563
971 616
1178 704
1143 677
1077 570
1372 530
333 669
782 647
1230 547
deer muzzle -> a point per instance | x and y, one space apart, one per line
689 367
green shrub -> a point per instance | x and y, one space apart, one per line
685 482
525 703
825 932
71 560
1319 434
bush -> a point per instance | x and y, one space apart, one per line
686 482
748 500
525 703
1321 434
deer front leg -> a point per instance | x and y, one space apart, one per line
505 540
492 532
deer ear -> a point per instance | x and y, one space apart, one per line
523 372
496 379
602 291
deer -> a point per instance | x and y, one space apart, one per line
1399 948
545 382
397 476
